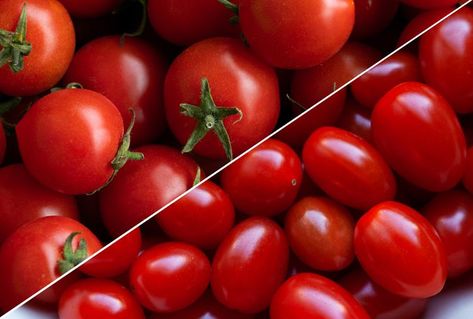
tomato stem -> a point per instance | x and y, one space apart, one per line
142 25
197 177
233 8
72 258
295 102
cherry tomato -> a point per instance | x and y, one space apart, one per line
71 159
29 258
138 78
169 277
430 4
310 296
98 298
203 217
356 119
3 144
372 17
249 265
51 35
418 134
407 246
320 233
297 37
348 168
265 181
90 8
236 80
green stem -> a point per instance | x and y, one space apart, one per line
233 8
70 257
142 25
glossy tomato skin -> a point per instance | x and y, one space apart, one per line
348 168
98 298
51 34
356 119
143 187
23 199
90 8
249 265
407 245
447 61
372 17
265 181
3 144
297 38
29 257
245 83
430 4
71 159
311 296
169 277
418 134
202 218
138 78
320 233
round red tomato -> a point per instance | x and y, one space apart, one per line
249 265
50 34
138 78
98 298
298 36
430 4
240 96
169 277
372 17
265 181
356 119
29 258
310 296
406 245
203 217
90 8
417 132
3 144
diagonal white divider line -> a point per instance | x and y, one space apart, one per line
243 154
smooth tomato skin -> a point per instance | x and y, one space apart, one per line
23 199
407 245
98 298
169 277
419 135
356 119
138 79
202 218
3 144
447 61
246 83
143 187
51 34
249 265
372 17
297 37
311 296
90 8
29 257
115 259
265 181
348 168
71 159
430 4
320 233
451 213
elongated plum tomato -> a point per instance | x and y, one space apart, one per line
310 296
297 37
419 135
249 265
90 8
407 246
348 168
50 33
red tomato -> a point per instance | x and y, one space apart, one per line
203 217
29 258
138 78
430 4
320 233
115 259
265 181
348 168
71 159
90 8
237 80
23 199
406 245
51 35
98 298
418 134
447 61
143 187
356 119
451 213
249 265
3 144
297 37
310 296
372 17
169 277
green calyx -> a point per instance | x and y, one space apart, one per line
70 257
14 44
233 8
209 117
